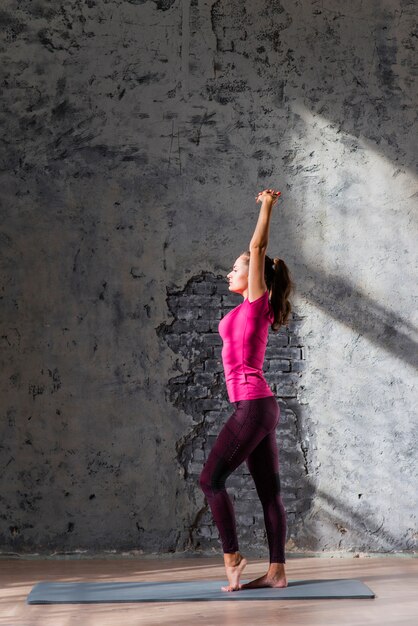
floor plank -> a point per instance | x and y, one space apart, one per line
394 580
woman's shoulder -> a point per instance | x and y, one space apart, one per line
260 307
260 299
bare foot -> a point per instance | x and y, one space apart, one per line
275 579
233 573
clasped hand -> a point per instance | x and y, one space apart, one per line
268 193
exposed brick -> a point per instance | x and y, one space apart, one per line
196 391
282 352
231 301
203 326
188 314
204 288
298 366
209 404
278 339
212 339
199 301
295 341
212 365
204 379
279 365
222 288
210 314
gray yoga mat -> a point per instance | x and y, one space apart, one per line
62 593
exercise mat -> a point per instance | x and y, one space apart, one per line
90 592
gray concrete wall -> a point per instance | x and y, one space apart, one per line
135 137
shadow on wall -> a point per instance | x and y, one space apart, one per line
345 525
341 300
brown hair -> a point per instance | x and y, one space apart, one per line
280 285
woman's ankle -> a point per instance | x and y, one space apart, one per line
232 558
276 568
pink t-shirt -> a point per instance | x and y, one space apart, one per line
244 332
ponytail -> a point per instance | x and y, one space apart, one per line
280 286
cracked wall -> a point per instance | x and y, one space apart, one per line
135 137
201 393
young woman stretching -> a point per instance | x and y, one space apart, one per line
249 433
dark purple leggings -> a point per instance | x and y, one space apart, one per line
248 435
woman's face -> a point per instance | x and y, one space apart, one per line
238 276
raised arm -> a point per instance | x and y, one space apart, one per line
258 245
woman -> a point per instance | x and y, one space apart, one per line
249 433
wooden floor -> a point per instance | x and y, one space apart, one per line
394 580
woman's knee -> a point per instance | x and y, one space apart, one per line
214 479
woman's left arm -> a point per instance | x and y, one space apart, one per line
258 246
